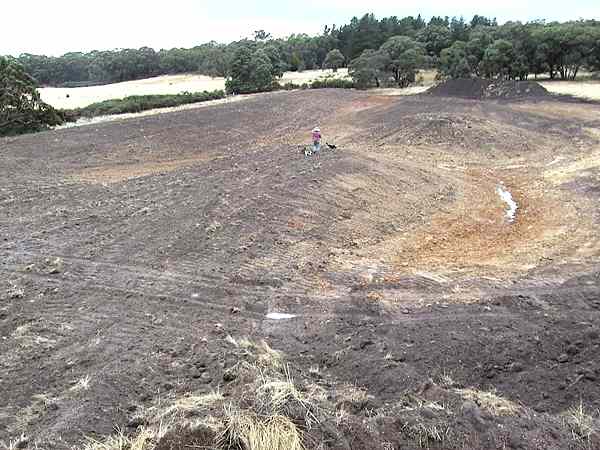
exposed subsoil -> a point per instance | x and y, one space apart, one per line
130 250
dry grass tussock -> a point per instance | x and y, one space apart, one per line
491 402
250 431
188 404
426 433
583 425
353 394
145 439
266 357
83 384
276 396
14 444
272 406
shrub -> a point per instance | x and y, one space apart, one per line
21 108
138 103
339 83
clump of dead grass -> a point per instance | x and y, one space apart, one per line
249 431
352 398
14 444
275 396
491 402
243 343
425 434
445 380
353 394
268 357
145 439
83 384
414 403
190 405
261 354
583 425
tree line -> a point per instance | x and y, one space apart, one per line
480 48
458 48
377 52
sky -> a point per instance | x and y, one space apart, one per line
58 26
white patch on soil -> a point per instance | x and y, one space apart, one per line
506 196
555 160
280 316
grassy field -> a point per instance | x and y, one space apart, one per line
71 98
582 89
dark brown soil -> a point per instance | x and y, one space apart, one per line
479 88
130 250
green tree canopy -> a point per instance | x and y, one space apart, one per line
497 60
21 109
435 37
406 56
454 62
251 71
369 68
334 60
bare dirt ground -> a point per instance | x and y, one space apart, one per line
140 258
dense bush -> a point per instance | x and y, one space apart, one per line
340 83
21 109
137 103
323 83
251 71
334 60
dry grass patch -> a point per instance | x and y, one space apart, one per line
14 444
268 357
190 404
353 394
589 90
582 424
445 380
243 343
83 384
249 431
282 397
491 402
425 433
145 440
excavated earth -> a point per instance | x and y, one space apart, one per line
130 250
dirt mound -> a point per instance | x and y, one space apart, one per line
440 128
478 88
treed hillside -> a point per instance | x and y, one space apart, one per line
479 47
